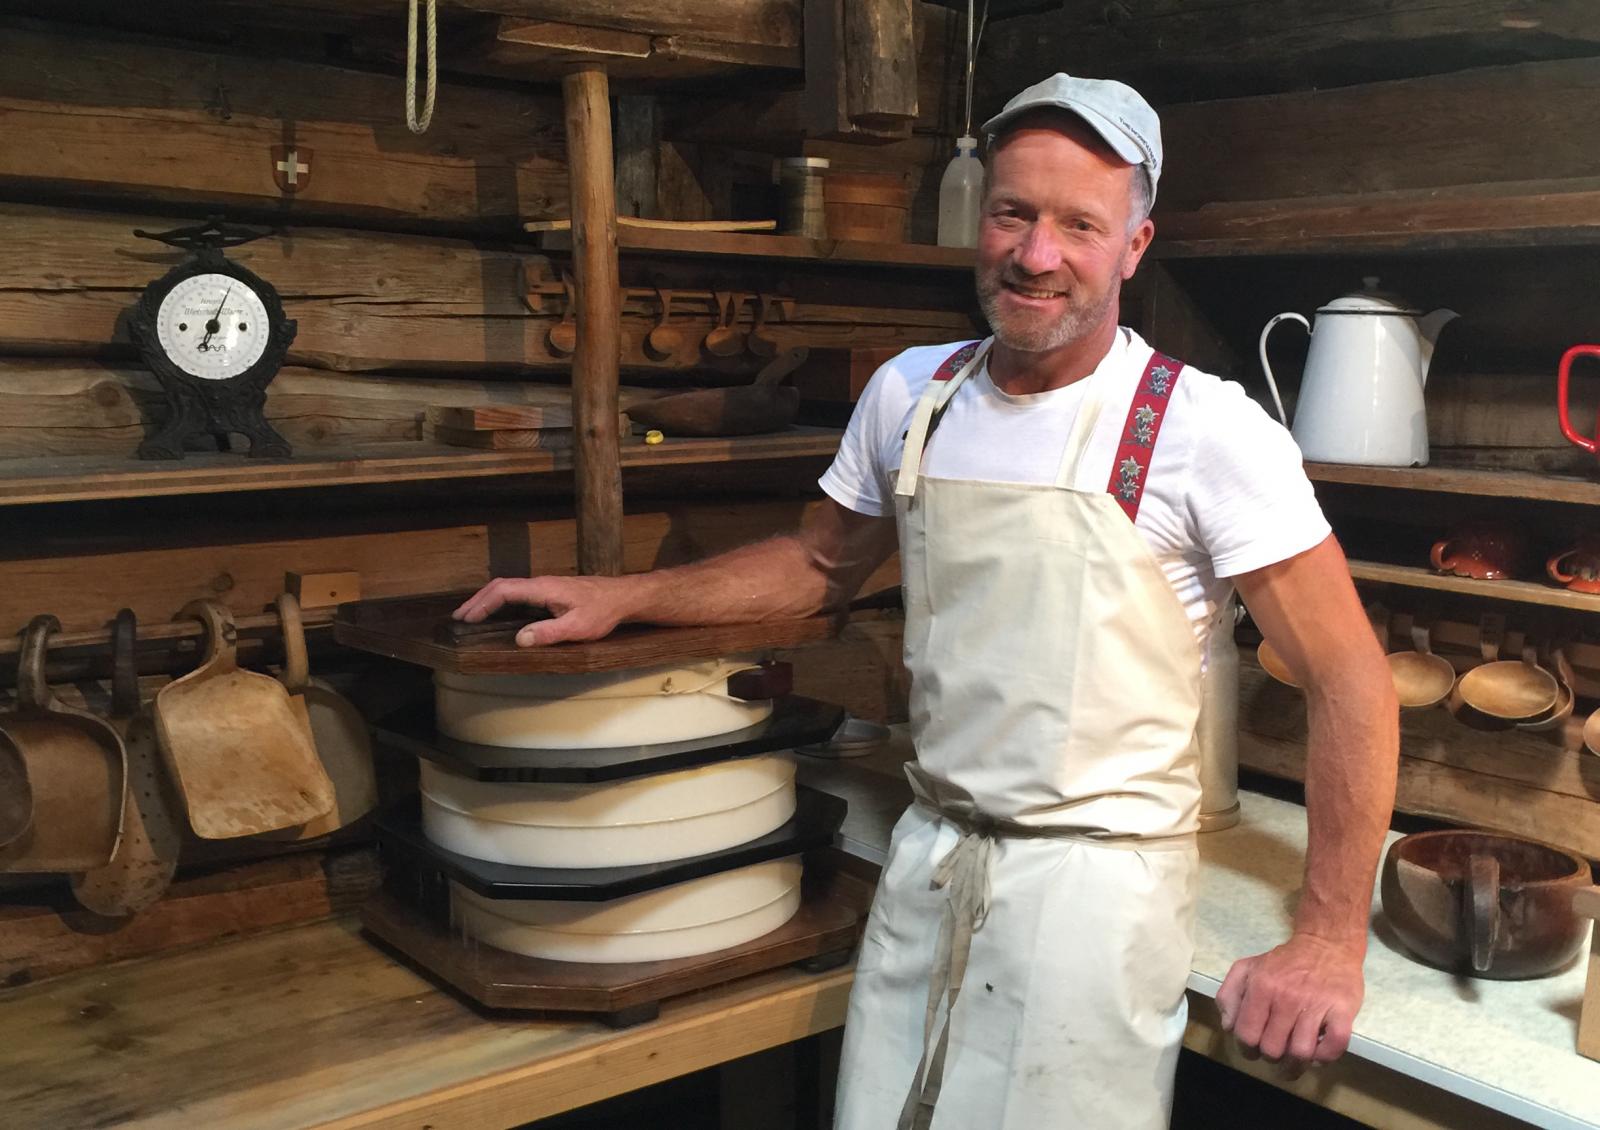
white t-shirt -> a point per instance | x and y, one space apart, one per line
1225 494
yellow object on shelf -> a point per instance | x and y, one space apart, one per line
653 436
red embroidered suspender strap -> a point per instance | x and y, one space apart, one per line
1132 464
953 363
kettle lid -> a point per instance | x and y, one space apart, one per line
1370 300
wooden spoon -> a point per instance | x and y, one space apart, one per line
1502 692
724 340
663 340
563 335
760 342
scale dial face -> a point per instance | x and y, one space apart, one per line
213 326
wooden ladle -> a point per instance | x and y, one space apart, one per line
1272 663
1501 692
663 339
1557 715
1421 678
724 340
563 335
760 342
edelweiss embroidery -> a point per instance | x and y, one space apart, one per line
1160 381
1128 472
1144 425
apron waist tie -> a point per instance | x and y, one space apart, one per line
963 874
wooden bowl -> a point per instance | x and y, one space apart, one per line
1421 678
1484 905
1499 695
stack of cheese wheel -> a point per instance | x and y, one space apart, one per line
653 818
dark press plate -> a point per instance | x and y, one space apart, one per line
795 721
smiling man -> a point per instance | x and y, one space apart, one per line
1073 512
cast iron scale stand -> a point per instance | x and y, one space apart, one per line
214 334
411 914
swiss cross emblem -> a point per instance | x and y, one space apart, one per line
1144 425
1160 380
291 167
1128 472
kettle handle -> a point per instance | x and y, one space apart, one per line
1563 381
1267 368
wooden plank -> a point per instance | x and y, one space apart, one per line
494 417
1451 480
1554 213
75 479
629 57
153 122
316 1026
1518 592
40 939
596 462
774 23
920 255
1484 126
84 408
86 588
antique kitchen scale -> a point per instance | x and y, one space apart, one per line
214 334
603 825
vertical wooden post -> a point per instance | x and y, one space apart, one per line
596 360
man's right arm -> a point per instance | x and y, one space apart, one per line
819 567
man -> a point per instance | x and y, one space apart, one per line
1072 511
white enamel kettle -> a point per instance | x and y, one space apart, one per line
1361 398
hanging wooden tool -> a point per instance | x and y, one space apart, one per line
243 761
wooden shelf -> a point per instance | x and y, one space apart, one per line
669 242
81 478
1518 592
1536 214
1452 480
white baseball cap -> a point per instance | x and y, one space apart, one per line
1114 110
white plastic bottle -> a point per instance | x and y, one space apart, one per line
960 196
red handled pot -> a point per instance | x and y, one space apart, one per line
1591 444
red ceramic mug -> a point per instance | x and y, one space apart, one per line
1489 551
1591 444
1578 567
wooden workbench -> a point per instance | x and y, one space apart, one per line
315 1026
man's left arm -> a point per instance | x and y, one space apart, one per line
1299 1000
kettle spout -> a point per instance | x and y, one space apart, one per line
1429 326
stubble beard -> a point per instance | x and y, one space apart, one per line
1030 335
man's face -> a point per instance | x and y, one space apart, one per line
1053 242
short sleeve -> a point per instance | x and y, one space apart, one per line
1249 497
861 476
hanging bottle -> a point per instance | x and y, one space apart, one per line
960 196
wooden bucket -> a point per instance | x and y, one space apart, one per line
872 207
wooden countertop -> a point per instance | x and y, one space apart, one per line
316 1026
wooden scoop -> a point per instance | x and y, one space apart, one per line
1272 663
761 342
762 406
239 752
76 771
337 730
142 867
563 335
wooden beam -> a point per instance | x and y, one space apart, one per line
144 121
595 364
1176 50
773 23
880 64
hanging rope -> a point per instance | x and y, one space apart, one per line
412 121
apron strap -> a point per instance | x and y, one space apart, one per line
963 874
950 376
1145 415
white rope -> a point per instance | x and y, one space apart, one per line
412 122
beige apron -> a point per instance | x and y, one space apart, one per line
1024 963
